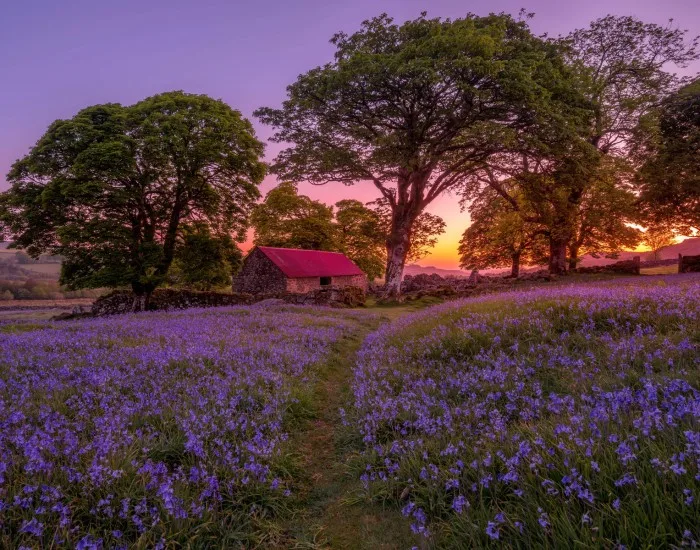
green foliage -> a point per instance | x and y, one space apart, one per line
110 188
289 220
204 261
624 67
412 107
670 177
361 236
500 236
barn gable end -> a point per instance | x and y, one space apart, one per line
259 275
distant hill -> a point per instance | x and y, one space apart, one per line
688 247
414 269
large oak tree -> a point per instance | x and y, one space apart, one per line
411 107
622 73
110 188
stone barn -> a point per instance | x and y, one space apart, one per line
273 270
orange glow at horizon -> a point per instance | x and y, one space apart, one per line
443 255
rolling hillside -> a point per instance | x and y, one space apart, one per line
688 247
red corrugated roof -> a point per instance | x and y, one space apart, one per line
296 263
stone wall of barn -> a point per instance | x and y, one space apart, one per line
302 285
259 275
360 281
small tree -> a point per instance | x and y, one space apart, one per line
361 236
204 261
604 217
657 238
499 236
111 188
290 220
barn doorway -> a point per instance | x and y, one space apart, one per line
325 281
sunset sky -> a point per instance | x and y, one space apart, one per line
58 56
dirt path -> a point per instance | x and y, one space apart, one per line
336 513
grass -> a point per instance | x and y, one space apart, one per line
333 510
660 270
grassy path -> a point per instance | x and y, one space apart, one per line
334 511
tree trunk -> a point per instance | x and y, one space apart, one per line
515 267
142 296
397 246
573 257
557 256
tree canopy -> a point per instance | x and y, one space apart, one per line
412 107
361 236
670 176
110 188
204 261
658 237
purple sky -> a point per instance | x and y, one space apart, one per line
57 57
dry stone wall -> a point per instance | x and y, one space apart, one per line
688 264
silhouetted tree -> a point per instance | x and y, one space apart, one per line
670 177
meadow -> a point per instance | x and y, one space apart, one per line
550 418
155 429
560 415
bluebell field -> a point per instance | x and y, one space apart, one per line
557 417
561 416
152 428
